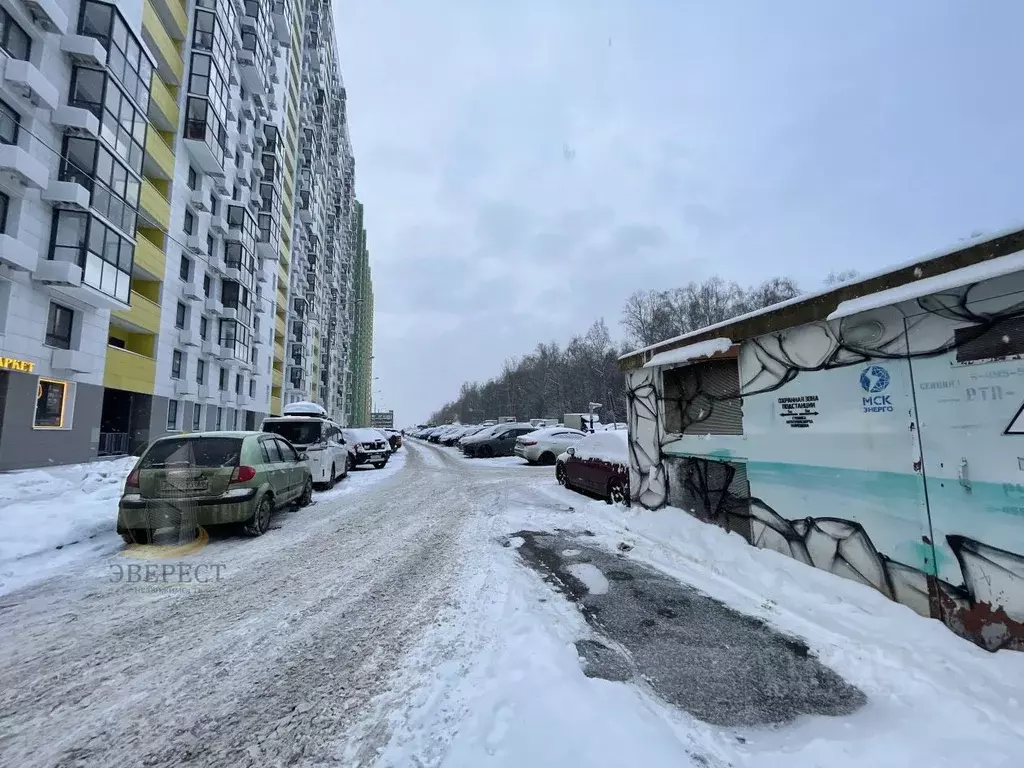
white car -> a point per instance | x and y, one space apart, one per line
544 445
313 433
367 446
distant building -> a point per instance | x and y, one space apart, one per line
382 419
360 371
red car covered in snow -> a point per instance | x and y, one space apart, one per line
597 464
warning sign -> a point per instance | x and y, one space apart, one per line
798 412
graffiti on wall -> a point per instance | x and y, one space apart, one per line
987 605
779 358
986 608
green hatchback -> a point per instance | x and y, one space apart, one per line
212 478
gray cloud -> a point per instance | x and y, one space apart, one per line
746 140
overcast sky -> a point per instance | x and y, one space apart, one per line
526 165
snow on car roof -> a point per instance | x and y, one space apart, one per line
611 446
364 434
545 431
304 408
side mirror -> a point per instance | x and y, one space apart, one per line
571 451
303 457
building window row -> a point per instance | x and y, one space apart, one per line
105 256
122 125
116 195
13 38
125 58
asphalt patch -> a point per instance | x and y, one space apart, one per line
720 665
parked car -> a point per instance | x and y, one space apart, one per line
451 437
543 446
317 436
469 433
366 446
395 438
597 464
213 478
500 442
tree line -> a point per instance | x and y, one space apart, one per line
554 380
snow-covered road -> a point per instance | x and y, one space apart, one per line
272 663
394 623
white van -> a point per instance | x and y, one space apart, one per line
307 427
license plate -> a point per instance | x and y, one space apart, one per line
376 455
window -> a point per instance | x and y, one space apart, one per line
200 371
192 178
114 188
190 223
238 383
204 326
234 418
172 415
210 246
222 383
58 327
5 205
220 417
252 387
176 364
125 59
13 38
10 122
206 284
105 256
287 452
185 268
179 315
51 402
197 418
270 451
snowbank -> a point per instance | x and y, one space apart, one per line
68 506
690 352
611 446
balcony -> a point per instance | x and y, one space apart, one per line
174 15
64 279
149 259
154 206
67 194
84 50
21 169
17 255
48 16
169 62
214 305
129 371
77 121
163 105
73 360
159 159
27 81
143 317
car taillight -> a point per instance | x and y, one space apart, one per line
527 442
132 480
243 474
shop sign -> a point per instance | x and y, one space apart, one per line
13 364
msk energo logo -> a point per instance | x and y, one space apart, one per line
874 380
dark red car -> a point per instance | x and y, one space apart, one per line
597 464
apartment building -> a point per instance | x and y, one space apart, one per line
318 324
361 319
149 151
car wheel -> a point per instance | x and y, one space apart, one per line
350 464
260 521
617 492
561 475
547 458
334 477
380 465
486 452
307 492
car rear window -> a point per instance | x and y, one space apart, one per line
193 452
295 432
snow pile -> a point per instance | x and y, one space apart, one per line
611 446
42 509
690 352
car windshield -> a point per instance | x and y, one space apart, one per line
296 432
193 452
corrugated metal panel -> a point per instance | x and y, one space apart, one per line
703 399
1004 339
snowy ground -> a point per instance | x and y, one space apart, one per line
389 624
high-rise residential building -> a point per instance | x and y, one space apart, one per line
319 332
157 253
361 318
